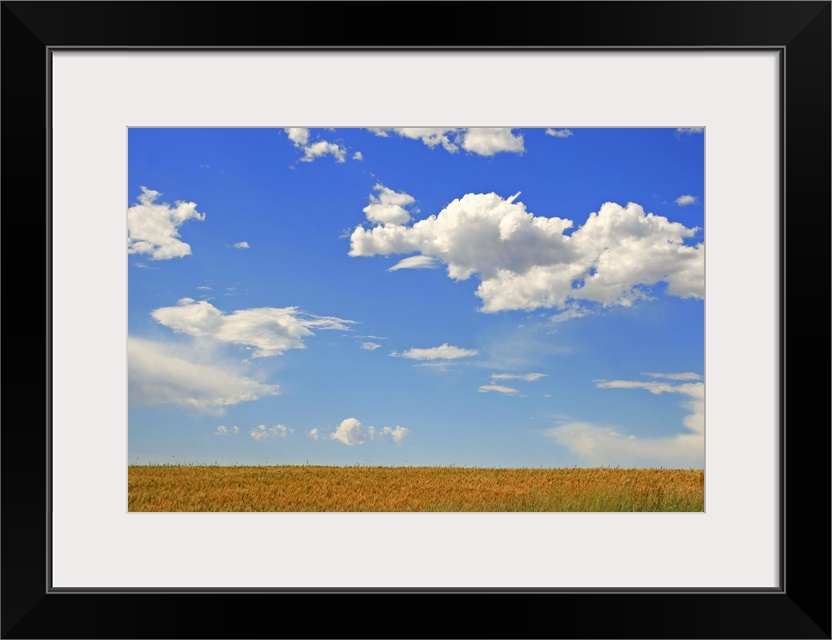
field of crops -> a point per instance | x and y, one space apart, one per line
382 489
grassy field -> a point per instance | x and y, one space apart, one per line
383 489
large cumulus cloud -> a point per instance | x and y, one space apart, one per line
526 262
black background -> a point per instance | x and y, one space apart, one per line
799 609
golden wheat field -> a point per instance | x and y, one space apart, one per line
298 488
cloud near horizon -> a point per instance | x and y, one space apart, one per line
153 229
525 262
351 432
601 445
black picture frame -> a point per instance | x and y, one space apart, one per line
799 608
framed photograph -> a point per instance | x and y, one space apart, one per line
366 196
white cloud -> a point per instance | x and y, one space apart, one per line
429 136
690 130
300 138
675 376
221 431
572 312
298 135
442 352
436 365
525 262
350 432
241 245
489 141
326 322
358 156
388 207
236 430
693 389
153 229
685 200
558 133
398 434
156 375
416 262
480 140
271 331
498 388
599 445
323 148
526 377
261 433
370 346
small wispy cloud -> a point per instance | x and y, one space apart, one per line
571 313
416 262
498 388
442 352
370 346
526 377
358 156
241 245
685 200
558 133
675 376
690 130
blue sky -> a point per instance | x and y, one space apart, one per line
477 297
